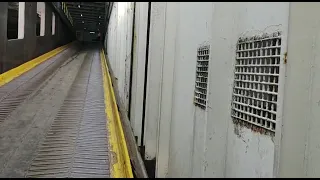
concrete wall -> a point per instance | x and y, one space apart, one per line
15 52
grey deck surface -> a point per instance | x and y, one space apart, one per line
52 119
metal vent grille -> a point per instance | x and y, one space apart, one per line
200 96
256 80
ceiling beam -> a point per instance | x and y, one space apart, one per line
86 23
87 3
87 20
87 27
85 13
86 7
86 17
90 11
91 27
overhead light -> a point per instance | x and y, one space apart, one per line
82 21
84 28
92 32
79 6
81 15
99 23
99 16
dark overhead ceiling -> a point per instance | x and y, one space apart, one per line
87 15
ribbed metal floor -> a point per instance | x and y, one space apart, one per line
76 143
15 92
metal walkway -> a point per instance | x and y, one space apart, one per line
54 120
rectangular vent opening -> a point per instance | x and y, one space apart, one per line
40 21
200 95
255 90
15 20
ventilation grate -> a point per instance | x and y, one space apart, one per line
255 91
200 96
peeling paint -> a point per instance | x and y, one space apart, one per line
256 129
266 32
263 35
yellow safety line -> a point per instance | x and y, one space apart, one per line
15 72
120 166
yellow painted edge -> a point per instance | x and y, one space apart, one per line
120 166
15 72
